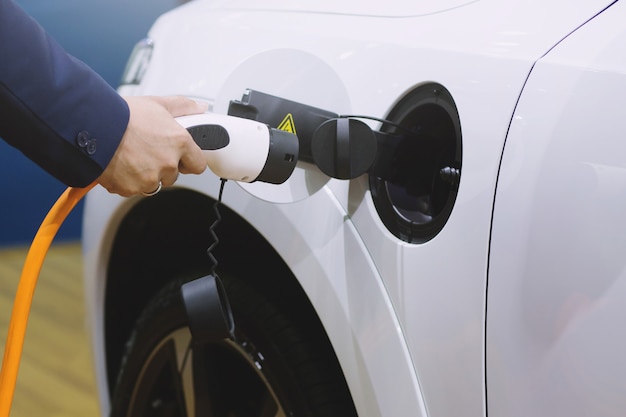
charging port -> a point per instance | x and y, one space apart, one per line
415 196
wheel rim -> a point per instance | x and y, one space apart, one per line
179 379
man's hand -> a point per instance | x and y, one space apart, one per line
155 148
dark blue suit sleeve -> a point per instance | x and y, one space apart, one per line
54 108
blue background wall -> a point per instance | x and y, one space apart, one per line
101 33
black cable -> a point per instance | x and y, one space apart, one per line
377 119
218 218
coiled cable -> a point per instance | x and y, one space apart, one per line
218 218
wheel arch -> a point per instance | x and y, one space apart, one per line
165 237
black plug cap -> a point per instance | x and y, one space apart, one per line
208 310
344 148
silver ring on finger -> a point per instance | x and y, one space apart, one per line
155 192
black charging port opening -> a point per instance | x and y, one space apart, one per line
415 196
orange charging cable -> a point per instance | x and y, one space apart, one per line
26 289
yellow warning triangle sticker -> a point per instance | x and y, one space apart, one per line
287 124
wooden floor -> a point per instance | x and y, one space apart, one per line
56 377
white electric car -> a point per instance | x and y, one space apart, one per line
476 265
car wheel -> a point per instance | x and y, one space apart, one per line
273 367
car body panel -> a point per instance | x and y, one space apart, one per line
394 8
407 321
556 276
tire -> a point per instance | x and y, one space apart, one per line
273 367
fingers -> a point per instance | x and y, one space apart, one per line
192 160
154 148
181 106
169 175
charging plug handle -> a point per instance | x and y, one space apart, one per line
241 149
